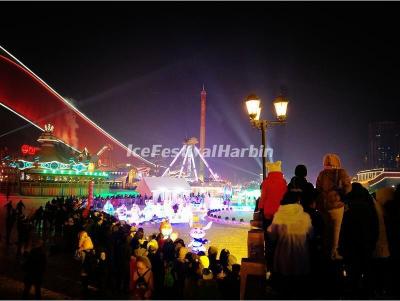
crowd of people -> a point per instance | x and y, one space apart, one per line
334 240
118 259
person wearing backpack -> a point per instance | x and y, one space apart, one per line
333 183
142 280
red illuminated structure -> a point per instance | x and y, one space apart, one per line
89 201
202 131
28 149
28 96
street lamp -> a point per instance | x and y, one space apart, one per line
254 110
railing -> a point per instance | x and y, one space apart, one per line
60 189
6 187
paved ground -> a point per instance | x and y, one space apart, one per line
12 289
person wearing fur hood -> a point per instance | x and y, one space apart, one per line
333 183
289 232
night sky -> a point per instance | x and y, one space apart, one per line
137 70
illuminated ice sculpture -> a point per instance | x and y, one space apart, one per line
122 212
176 211
165 229
197 233
109 208
133 216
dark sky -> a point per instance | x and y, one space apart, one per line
137 70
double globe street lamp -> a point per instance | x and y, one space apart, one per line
254 111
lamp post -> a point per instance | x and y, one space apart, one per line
254 110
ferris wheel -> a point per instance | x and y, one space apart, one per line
188 166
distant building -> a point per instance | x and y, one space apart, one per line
384 145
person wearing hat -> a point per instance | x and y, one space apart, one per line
299 183
157 267
204 262
273 188
152 246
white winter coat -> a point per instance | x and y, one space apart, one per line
290 231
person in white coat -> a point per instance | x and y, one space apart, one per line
289 232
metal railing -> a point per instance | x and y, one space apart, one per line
60 189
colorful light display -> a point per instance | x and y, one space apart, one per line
22 164
90 200
28 149
56 167
77 173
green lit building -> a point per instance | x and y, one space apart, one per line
57 169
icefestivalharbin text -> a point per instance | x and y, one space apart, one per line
216 151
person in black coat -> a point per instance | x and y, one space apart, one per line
392 222
358 237
10 221
157 267
34 267
20 207
102 273
299 183
233 283
24 231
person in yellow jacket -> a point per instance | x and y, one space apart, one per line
85 244
86 254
